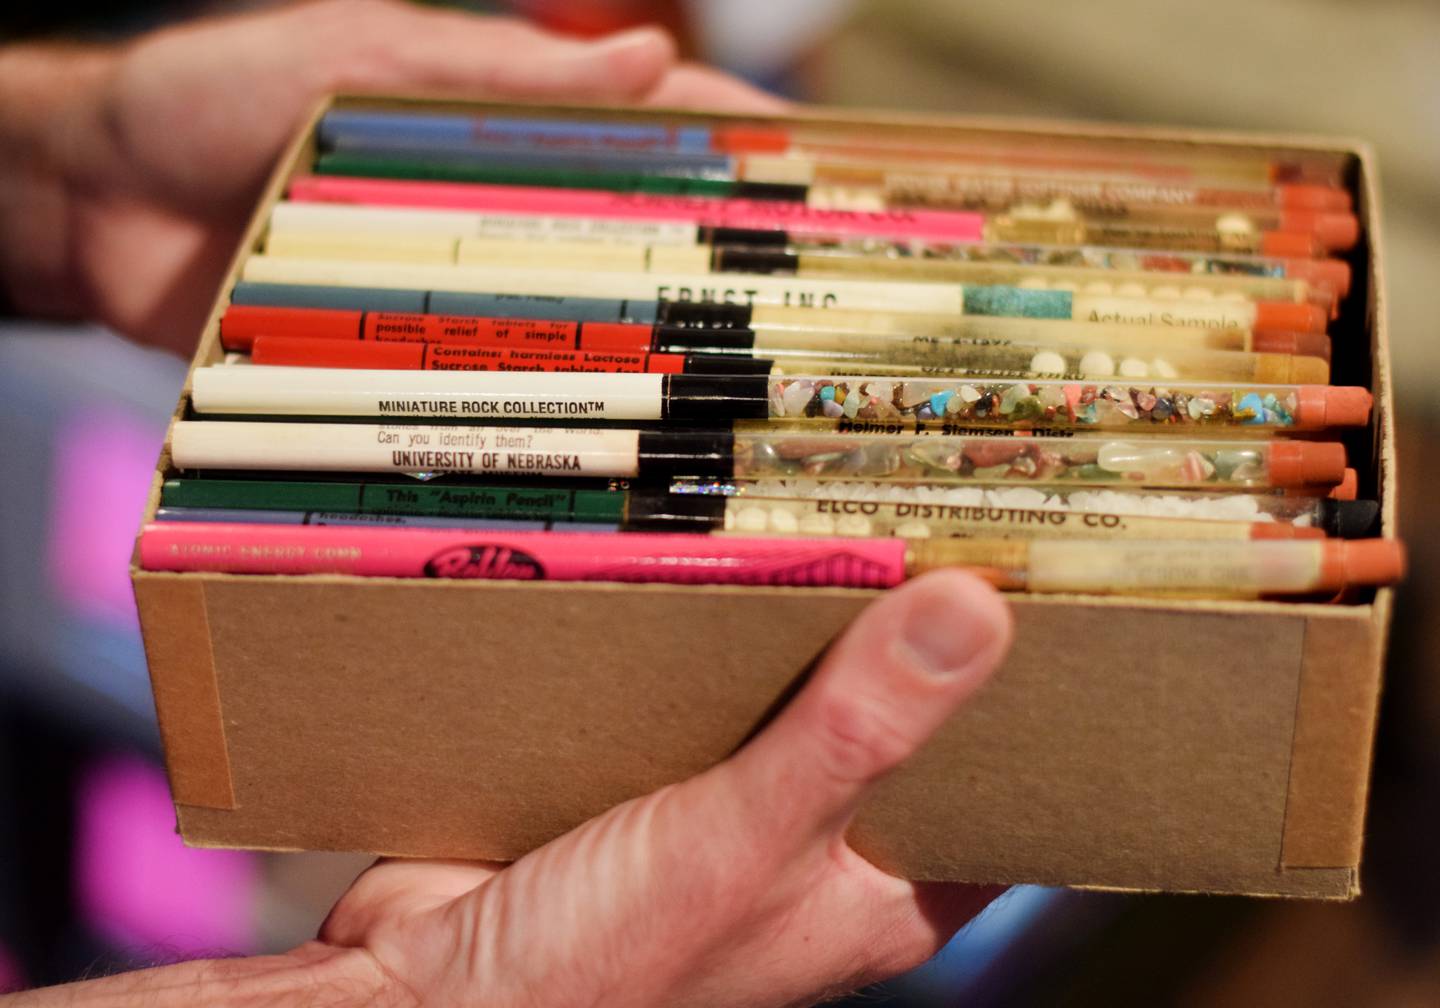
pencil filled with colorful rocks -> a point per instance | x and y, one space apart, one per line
580 347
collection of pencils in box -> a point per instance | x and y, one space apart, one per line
580 348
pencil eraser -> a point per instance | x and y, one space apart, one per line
1311 196
1320 406
1333 230
1348 487
1284 530
1306 463
1302 344
750 140
1332 274
1290 245
1289 316
1350 519
1352 562
1347 406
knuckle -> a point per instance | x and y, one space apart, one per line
860 739
349 21
349 11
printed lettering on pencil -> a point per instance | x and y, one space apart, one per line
484 561
426 461
542 462
743 296
492 407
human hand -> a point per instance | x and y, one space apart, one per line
735 887
127 174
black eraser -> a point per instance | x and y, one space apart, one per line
1357 519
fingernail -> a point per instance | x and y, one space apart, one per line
944 638
632 38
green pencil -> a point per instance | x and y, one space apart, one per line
375 166
412 498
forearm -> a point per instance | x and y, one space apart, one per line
313 976
48 103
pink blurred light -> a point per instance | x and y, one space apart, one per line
12 977
104 460
140 887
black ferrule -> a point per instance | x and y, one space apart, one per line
793 191
658 511
716 397
686 339
709 314
734 259
726 364
670 453
749 237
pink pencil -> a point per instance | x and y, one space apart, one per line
1234 569
763 215
521 556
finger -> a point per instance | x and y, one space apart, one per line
700 87
946 907
905 923
396 886
894 677
398 47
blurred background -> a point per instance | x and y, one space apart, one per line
92 876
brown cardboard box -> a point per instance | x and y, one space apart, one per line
1215 746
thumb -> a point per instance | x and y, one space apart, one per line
901 669
502 58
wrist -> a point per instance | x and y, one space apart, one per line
50 126
314 975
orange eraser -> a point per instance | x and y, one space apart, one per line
1350 562
1311 196
1347 406
1289 316
1320 406
1285 530
1332 229
1290 245
1306 463
1332 274
750 140
1348 488
1300 344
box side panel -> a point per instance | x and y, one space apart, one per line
920 127
1334 725
1378 328
187 699
1344 649
1300 883
1138 750
419 719
486 720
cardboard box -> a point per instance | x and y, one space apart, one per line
1126 744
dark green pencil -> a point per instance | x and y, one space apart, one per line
412 498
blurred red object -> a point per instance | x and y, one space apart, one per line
588 18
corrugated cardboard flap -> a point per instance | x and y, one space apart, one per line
187 697
1334 726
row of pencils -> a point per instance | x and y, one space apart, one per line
657 349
